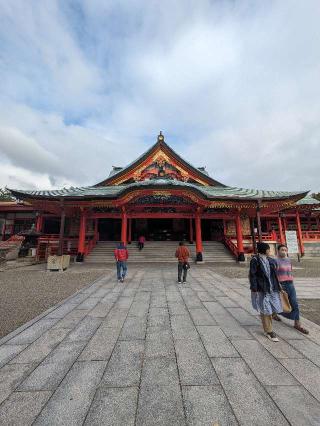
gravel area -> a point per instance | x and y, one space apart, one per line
27 292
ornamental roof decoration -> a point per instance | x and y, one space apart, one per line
164 162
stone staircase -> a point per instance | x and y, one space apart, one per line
311 250
159 251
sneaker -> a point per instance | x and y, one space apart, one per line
119 281
179 282
272 336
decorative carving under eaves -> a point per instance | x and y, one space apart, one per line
217 210
162 199
106 210
159 210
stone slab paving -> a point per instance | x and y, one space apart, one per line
306 288
152 352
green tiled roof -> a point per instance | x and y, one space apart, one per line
309 199
210 192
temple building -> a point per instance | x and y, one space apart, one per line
165 198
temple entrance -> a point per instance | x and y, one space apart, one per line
161 229
212 229
109 229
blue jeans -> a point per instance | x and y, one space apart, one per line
121 269
288 286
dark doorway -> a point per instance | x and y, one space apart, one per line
212 229
109 229
51 225
161 229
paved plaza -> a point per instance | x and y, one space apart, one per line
152 352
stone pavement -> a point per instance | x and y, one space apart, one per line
152 352
306 288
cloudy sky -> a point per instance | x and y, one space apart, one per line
234 85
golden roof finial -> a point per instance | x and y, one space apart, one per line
160 137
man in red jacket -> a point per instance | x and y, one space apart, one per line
121 254
183 254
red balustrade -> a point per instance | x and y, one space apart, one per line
48 245
311 235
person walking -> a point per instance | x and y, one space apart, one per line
265 288
141 242
183 254
121 255
285 277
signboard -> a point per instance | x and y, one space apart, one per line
292 242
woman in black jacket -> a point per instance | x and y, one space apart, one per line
265 288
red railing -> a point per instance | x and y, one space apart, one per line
230 242
265 236
90 244
48 245
231 246
311 235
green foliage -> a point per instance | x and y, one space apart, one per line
5 195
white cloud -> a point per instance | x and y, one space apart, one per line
233 85
26 153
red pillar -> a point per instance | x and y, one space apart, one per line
129 230
299 233
82 236
191 231
124 227
39 222
199 248
282 238
4 229
259 224
224 228
241 257
318 223
61 233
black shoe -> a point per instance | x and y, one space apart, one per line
272 336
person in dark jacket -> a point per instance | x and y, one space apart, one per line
265 288
121 255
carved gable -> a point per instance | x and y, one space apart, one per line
160 167
159 162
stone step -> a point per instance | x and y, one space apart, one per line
159 251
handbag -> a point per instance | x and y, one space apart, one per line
285 301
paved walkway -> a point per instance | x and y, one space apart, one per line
150 352
306 288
